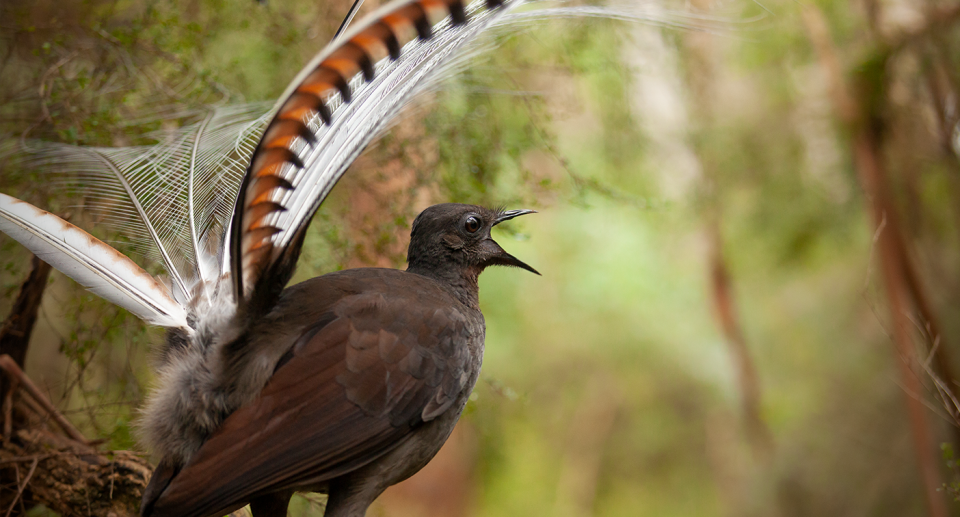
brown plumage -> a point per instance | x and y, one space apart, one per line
371 385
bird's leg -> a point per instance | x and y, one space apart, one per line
271 505
351 495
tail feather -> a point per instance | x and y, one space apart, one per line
171 201
330 112
91 262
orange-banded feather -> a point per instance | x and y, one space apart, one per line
267 195
350 59
378 42
403 28
260 235
415 13
259 211
273 182
284 133
324 81
436 10
270 162
383 36
303 106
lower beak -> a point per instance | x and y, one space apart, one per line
506 259
502 258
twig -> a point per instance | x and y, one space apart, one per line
41 93
938 349
867 159
8 365
21 459
701 58
22 486
13 384
872 252
757 430
15 333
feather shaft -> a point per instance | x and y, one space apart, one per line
194 240
346 95
91 262
168 262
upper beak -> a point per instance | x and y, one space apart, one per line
510 214
503 258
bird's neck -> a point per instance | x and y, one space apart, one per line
462 284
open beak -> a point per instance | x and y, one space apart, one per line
502 258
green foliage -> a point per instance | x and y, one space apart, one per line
608 386
952 488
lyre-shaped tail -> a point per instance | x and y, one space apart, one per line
172 202
90 261
329 113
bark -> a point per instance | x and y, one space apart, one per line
898 275
16 329
15 334
748 380
703 56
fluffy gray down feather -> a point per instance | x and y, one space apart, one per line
204 380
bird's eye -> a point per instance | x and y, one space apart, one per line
472 224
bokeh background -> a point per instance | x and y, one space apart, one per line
749 235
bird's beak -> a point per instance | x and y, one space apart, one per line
501 257
510 214
506 259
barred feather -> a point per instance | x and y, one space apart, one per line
330 112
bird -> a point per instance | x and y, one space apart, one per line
346 383
377 366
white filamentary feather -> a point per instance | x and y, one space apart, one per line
175 200
193 396
90 262
172 199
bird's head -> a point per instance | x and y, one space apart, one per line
452 238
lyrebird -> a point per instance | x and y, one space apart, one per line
346 383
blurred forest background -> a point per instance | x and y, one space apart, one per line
749 235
